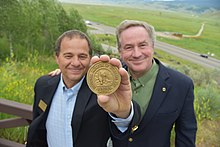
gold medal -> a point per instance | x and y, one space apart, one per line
103 78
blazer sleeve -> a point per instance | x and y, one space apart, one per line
36 101
117 134
186 125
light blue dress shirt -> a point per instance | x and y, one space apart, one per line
58 124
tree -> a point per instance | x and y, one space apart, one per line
31 25
10 19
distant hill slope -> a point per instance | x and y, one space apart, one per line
212 15
195 6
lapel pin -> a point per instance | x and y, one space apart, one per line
164 89
134 128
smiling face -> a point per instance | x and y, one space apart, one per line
136 50
73 59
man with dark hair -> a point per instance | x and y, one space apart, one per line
65 111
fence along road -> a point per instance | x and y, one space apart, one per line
171 49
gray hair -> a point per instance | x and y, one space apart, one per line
133 23
72 34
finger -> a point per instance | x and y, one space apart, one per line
115 62
124 76
94 59
51 73
104 58
55 72
103 101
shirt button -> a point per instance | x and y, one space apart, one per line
130 139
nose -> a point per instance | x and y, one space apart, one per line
75 61
136 52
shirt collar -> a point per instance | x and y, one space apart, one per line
73 89
146 77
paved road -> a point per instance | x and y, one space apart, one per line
171 49
188 55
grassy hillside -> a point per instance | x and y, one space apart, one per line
163 21
18 77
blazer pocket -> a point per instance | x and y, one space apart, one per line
167 117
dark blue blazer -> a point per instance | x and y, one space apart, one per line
90 123
171 105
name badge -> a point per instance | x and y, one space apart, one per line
42 105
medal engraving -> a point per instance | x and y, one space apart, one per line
103 78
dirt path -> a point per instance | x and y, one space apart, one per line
198 34
178 36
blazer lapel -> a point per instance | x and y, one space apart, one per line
48 93
82 99
160 91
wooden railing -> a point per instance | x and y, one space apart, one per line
24 113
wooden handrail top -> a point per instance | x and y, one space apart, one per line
8 143
15 108
14 122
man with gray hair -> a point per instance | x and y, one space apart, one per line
165 96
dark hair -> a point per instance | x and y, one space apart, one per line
72 34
